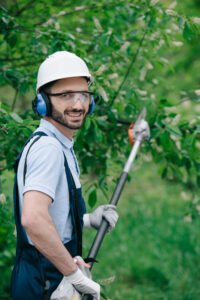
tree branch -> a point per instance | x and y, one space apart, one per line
80 9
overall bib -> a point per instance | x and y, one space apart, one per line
34 277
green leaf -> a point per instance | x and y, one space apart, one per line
172 115
198 181
174 130
87 123
92 199
165 102
187 32
166 142
189 141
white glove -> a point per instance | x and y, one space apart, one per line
84 285
80 282
107 212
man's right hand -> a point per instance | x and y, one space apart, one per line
76 282
83 284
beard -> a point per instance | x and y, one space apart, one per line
77 115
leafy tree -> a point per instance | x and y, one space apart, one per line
132 62
141 53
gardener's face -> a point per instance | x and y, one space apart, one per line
70 107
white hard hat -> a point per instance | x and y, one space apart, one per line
61 64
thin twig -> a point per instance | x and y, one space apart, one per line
131 64
15 99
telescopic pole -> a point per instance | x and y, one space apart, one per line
140 132
114 200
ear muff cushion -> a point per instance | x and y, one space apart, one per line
42 105
91 107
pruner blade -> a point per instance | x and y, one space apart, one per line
140 130
142 115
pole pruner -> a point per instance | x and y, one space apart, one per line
138 132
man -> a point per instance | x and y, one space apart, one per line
49 208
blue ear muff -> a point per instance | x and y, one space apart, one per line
41 105
91 107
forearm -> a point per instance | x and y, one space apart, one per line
45 238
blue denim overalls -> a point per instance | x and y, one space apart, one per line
33 276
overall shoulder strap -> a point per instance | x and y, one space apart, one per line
16 163
38 134
74 205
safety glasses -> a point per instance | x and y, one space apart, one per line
74 96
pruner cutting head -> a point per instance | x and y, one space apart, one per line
140 129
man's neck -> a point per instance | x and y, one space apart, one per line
64 130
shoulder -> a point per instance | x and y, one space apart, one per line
47 143
45 166
45 150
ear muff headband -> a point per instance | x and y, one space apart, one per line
41 105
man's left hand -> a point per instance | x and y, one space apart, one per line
108 212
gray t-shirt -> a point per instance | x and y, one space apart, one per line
46 174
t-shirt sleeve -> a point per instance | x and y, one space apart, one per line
45 163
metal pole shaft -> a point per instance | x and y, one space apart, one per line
132 155
114 200
104 224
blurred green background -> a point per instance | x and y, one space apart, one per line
141 54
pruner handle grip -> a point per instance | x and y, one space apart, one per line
130 134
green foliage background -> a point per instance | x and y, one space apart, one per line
141 53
